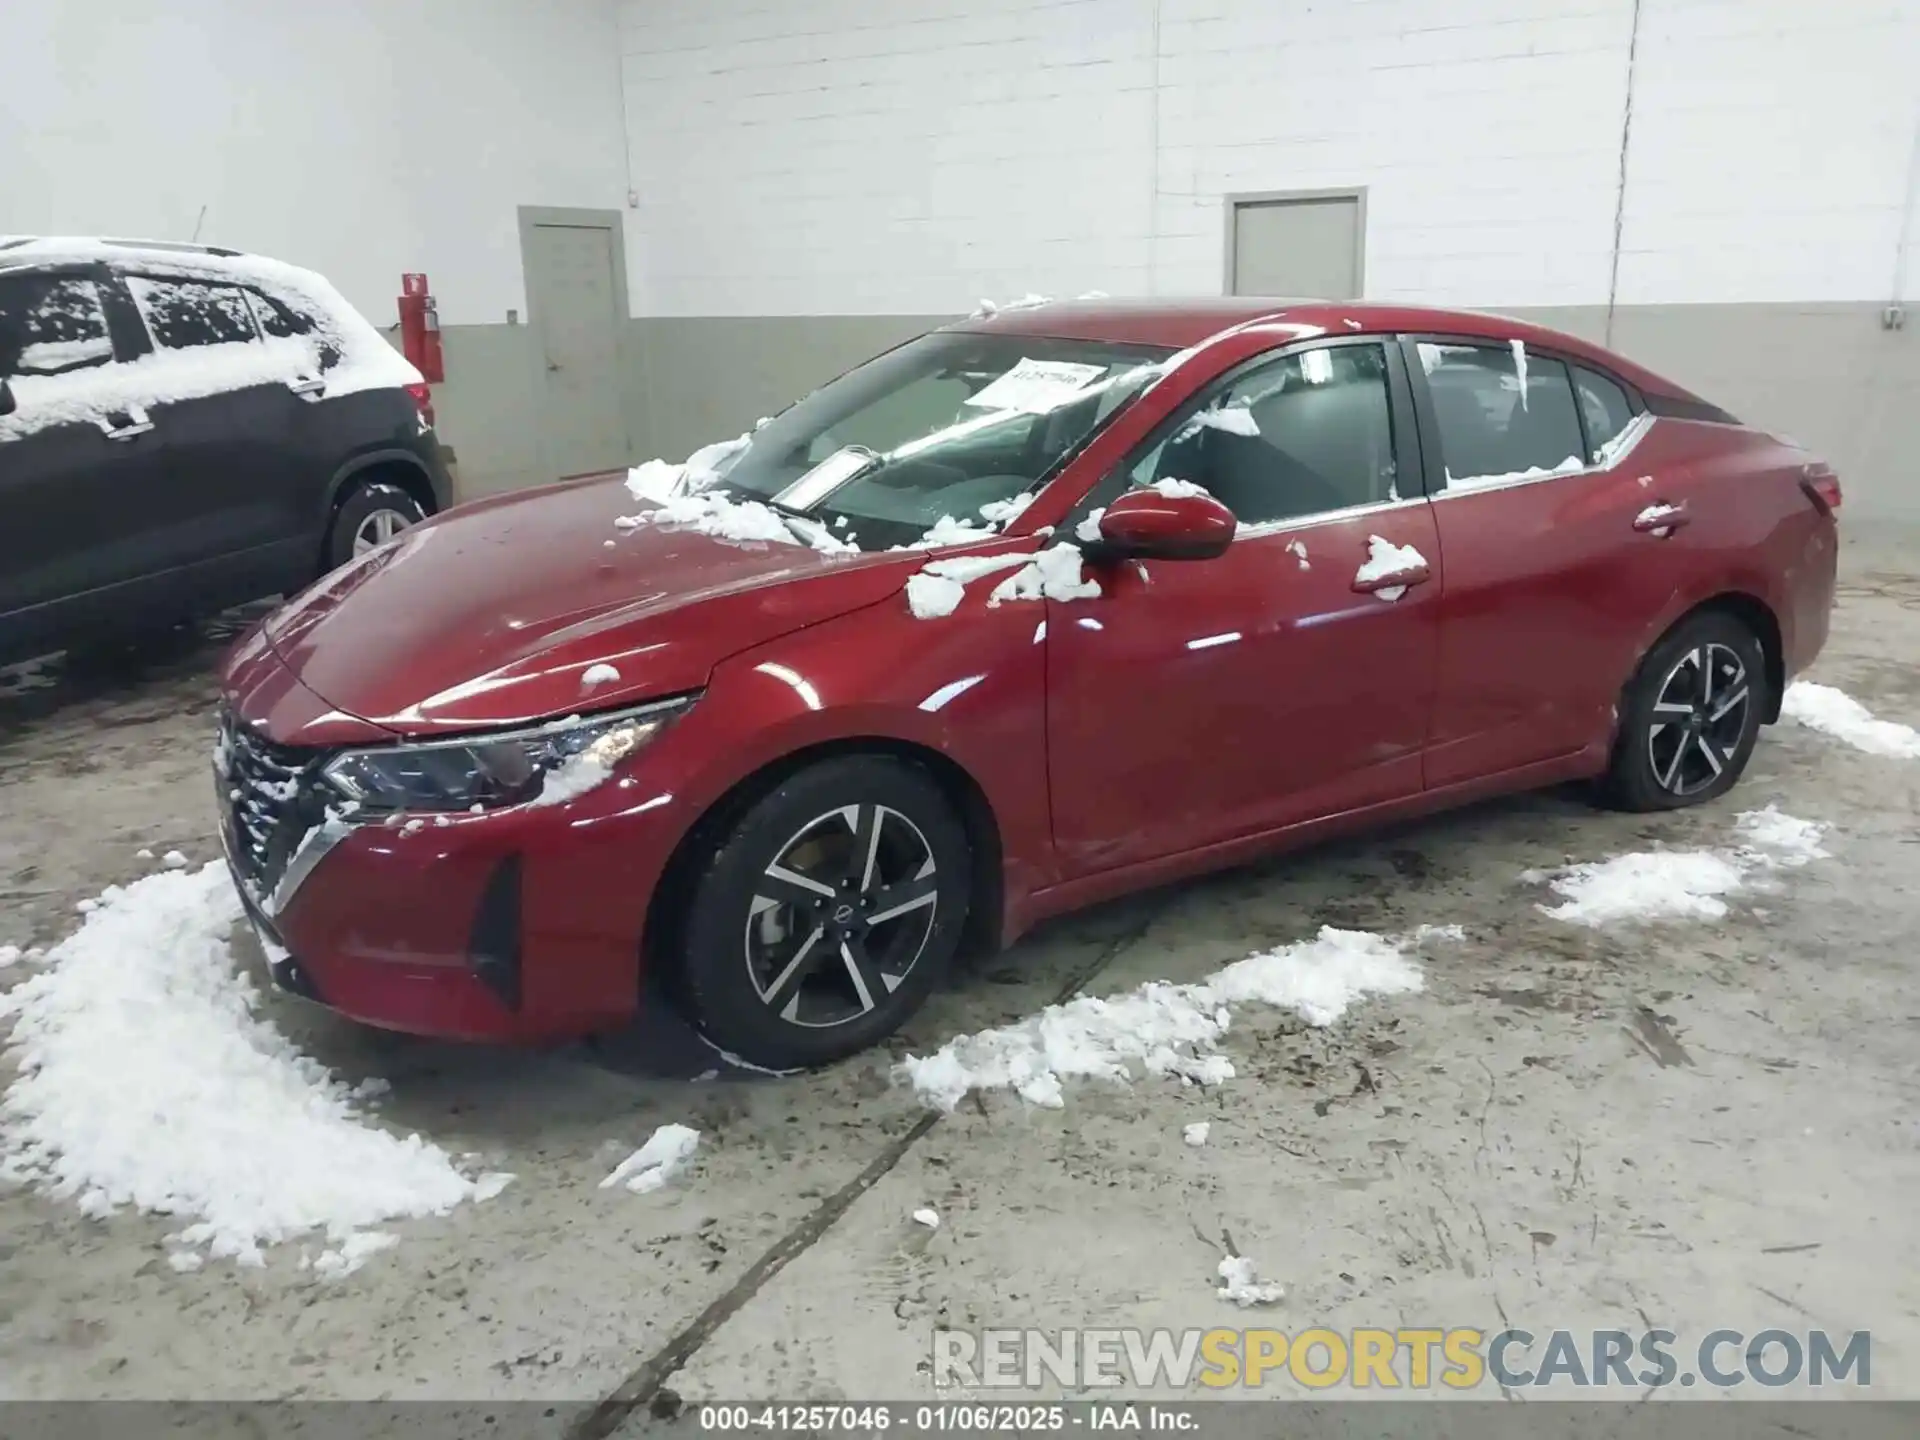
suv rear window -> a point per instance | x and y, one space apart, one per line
1503 414
184 314
50 325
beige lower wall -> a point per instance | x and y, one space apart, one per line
1828 375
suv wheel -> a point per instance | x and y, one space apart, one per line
370 516
827 914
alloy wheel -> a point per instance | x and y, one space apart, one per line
1699 718
841 915
377 528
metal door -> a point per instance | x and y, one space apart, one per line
576 315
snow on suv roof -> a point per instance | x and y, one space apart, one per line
361 360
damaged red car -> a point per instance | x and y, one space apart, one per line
1026 613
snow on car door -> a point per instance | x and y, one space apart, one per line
1196 701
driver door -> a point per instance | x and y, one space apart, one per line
1197 702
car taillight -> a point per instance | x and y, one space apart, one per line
1822 487
422 400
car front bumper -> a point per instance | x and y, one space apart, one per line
521 925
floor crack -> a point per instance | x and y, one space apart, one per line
646 1380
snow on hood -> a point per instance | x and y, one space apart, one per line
494 613
366 361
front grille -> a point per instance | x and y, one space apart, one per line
269 800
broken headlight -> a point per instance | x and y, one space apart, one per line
489 772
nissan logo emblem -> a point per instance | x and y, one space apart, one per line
843 915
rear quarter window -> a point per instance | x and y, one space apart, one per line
1604 407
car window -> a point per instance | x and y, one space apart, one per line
186 314
1605 408
1301 435
50 325
1502 413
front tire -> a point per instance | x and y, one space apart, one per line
371 515
827 914
1690 716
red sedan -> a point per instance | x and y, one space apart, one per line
1026 613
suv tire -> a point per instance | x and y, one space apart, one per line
371 514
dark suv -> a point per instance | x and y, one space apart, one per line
183 429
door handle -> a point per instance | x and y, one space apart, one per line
135 427
1398 580
309 386
1661 519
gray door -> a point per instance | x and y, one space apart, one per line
576 315
1306 247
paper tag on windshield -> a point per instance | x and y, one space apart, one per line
1037 386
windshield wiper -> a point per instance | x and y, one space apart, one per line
845 464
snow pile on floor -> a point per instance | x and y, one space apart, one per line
668 1151
1836 713
1197 1132
1163 1028
927 1216
1680 884
146 1079
1384 561
1240 1283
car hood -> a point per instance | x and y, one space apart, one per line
495 612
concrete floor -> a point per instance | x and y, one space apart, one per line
1693 1126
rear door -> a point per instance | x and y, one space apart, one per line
1198 701
1552 576
230 414
79 458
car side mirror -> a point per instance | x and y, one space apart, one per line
1153 525
7 403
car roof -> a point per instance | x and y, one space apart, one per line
40 251
1187 323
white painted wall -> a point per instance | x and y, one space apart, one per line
838 156
362 138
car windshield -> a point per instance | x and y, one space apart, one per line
941 426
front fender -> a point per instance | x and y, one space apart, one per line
970 687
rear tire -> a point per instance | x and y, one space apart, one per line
1690 716
826 914
370 515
